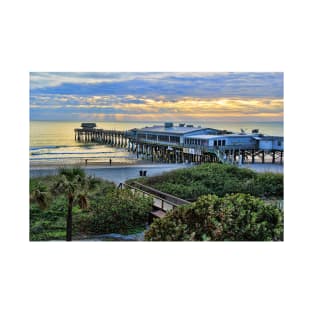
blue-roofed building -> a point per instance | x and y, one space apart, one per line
171 134
222 141
189 140
270 143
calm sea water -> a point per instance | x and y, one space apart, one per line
54 142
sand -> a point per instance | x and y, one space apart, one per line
117 173
90 163
120 172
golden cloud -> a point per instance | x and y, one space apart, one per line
181 109
206 107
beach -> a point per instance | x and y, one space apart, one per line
120 172
117 173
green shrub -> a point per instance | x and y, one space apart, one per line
270 184
219 179
72 172
236 217
118 211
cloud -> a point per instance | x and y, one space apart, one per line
48 79
153 84
183 108
186 96
157 118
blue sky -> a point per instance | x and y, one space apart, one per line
156 96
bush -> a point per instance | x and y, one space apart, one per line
72 172
118 211
47 224
270 184
219 179
236 217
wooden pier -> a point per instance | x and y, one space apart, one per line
109 137
167 148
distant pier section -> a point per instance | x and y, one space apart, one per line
88 132
188 143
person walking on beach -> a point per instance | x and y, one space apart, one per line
86 160
110 162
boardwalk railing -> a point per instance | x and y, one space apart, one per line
223 158
161 200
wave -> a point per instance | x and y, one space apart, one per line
58 153
87 147
81 158
48 147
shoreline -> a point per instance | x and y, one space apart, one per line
258 167
99 164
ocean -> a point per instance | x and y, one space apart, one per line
54 142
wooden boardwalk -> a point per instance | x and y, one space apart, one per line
162 202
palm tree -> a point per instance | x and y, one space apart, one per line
74 185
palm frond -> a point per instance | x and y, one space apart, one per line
40 197
83 201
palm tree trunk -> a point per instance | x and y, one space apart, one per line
69 218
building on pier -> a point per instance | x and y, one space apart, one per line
170 134
187 143
270 142
88 125
222 142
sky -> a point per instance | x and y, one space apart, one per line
156 96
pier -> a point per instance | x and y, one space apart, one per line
187 143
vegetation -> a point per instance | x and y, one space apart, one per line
236 217
227 205
118 211
218 179
93 205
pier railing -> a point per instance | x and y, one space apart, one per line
161 200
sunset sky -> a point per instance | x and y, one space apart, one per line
156 97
